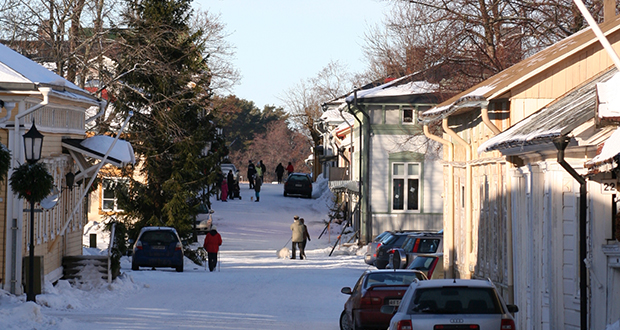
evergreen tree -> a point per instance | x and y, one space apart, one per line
166 85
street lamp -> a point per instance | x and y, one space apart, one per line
33 143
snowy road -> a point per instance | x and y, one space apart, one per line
252 290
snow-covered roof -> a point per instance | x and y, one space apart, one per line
18 71
609 98
556 119
611 149
333 116
396 87
122 150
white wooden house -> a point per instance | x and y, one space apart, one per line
399 168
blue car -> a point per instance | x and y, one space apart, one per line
158 247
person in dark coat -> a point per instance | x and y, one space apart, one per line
280 172
251 173
263 170
257 183
213 240
230 179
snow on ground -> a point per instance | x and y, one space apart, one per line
252 289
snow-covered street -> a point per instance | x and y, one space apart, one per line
253 289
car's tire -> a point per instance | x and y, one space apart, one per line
179 269
134 266
344 322
285 194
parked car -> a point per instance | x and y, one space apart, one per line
452 304
298 184
374 289
401 257
158 247
226 167
203 225
429 264
382 259
371 249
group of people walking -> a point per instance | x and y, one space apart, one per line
228 186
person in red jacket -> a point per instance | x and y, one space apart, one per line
289 169
213 240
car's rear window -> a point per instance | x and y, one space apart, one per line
422 263
427 245
158 237
298 178
455 300
391 278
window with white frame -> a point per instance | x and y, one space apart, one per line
108 195
406 186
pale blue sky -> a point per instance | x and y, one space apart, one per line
282 42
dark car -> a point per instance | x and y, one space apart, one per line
298 184
158 247
383 256
415 244
374 289
371 249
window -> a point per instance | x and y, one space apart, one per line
108 196
408 116
406 186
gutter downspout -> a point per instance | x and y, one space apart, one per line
92 179
363 188
351 130
448 241
561 143
468 197
14 206
102 105
487 121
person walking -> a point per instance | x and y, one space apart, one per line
297 238
224 196
259 171
306 237
212 243
289 169
280 172
251 173
230 180
263 169
218 184
257 183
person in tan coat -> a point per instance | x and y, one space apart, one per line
297 238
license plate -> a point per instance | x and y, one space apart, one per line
157 247
394 302
298 185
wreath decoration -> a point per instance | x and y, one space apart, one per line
32 182
5 161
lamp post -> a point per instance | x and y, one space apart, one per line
33 143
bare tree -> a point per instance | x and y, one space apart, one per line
217 49
461 42
304 100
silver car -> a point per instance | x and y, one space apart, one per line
452 304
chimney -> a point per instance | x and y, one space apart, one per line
609 10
